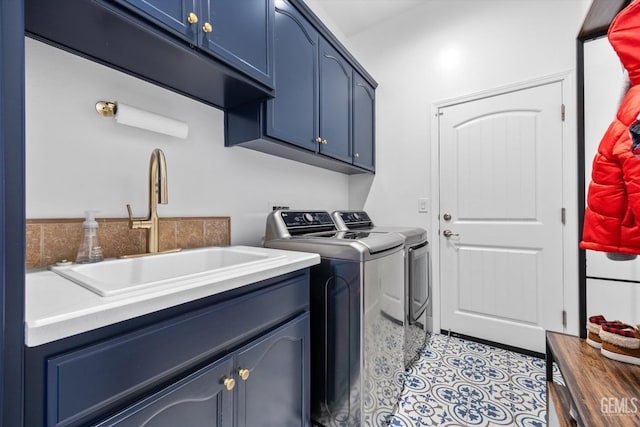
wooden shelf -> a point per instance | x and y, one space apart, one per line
561 401
603 392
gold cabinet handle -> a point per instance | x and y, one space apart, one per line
318 139
207 28
325 142
356 155
192 18
229 383
244 374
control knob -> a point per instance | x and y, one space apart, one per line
308 218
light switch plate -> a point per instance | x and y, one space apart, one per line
423 204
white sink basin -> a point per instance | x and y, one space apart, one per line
118 276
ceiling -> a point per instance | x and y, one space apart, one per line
353 16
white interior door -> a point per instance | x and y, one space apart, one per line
500 180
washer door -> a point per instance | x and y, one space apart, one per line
418 272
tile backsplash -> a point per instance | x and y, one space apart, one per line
53 240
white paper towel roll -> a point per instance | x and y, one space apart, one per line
132 116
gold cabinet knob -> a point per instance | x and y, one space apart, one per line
244 374
229 383
207 28
318 139
192 18
325 142
356 155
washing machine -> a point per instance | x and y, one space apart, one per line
357 365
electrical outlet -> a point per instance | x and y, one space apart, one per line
276 205
423 205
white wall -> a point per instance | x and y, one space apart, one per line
77 160
447 49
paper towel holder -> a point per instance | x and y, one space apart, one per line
131 116
106 108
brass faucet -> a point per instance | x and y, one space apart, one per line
157 194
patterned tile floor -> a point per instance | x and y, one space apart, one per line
462 383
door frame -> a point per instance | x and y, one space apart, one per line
12 208
570 235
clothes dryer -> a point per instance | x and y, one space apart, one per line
412 298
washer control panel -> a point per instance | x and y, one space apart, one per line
298 219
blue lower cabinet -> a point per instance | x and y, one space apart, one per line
267 381
240 359
201 399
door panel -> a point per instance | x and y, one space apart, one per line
198 400
335 104
248 49
363 123
293 115
278 361
171 13
501 184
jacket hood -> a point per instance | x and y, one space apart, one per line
624 36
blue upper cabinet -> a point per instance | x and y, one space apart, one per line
319 114
215 51
293 115
364 99
238 32
335 104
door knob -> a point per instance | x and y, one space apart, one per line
229 383
244 374
207 28
192 18
449 233
446 217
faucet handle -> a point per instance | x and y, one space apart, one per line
130 212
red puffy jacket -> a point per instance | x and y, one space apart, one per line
612 218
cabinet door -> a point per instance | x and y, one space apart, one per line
171 14
201 399
363 123
335 103
292 116
276 390
240 33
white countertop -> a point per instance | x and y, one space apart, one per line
57 308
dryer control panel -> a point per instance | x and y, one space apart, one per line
298 222
355 219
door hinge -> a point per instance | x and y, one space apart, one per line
562 112
564 318
563 216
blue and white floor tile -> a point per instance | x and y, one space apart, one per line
462 383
